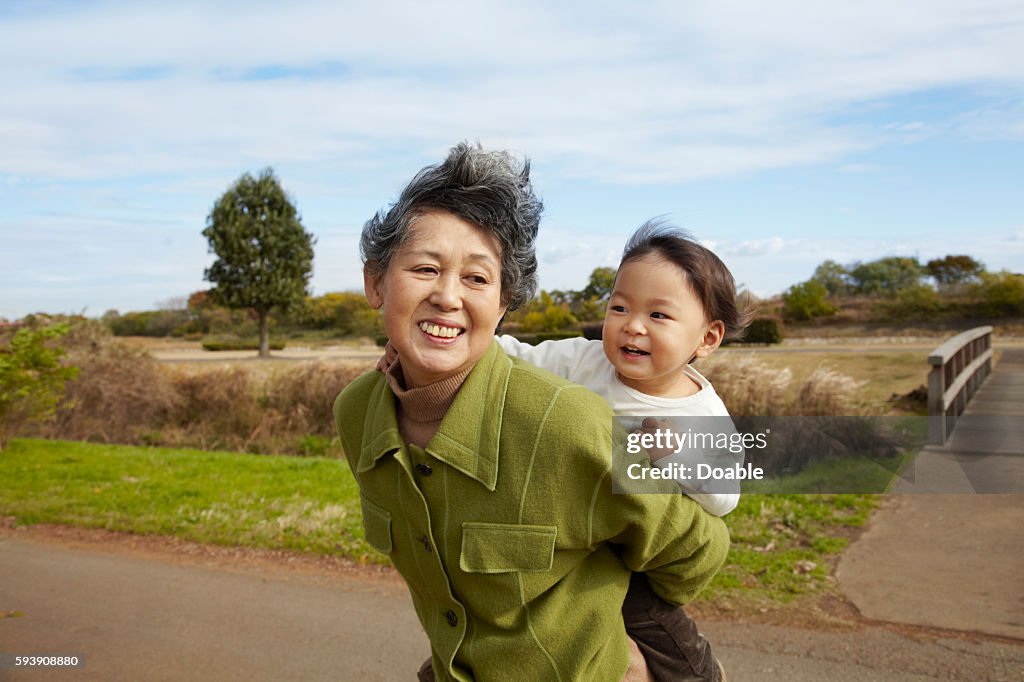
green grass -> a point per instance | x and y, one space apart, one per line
845 475
306 504
312 505
784 546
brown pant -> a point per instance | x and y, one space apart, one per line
667 637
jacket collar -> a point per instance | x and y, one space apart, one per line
469 435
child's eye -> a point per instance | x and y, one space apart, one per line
660 316
617 308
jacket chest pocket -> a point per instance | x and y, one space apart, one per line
506 547
376 525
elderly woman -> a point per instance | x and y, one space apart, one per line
487 481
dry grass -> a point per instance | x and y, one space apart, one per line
749 383
881 373
123 395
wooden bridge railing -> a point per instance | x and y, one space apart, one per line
959 367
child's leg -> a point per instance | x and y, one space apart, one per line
667 637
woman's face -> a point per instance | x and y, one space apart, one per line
441 297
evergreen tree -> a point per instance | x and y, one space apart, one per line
264 255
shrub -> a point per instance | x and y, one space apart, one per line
32 378
918 301
828 393
534 339
763 330
746 386
1001 294
806 301
220 408
119 392
304 395
220 343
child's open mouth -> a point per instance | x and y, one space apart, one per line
635 352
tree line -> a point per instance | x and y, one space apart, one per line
905 288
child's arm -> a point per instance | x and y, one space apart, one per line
726 493
561 357
716 504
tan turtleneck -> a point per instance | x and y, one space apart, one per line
420 410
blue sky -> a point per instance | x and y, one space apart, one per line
781 134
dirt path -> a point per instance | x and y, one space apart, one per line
159 609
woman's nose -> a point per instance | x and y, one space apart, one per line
446 293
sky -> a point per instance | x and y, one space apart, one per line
780 134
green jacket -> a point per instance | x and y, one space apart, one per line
515 549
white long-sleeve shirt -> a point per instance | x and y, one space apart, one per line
583 361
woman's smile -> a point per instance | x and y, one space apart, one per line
440 330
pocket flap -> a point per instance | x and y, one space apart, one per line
376 525
506 547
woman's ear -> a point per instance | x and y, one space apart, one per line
371 287
713 337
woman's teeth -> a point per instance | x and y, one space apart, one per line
437 330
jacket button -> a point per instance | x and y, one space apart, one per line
424 469
452 619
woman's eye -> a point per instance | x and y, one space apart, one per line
426 269
477 279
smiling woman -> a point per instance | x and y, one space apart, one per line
485 480
441 297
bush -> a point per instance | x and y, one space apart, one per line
1001 294
763 330
534 339
125 396
118 394
230 343
32 378
918 301
806 301
593 331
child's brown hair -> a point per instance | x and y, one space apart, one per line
706 274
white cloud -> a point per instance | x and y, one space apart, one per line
668 94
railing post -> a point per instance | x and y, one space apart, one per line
959 368
936 410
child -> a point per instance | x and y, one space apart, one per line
673 301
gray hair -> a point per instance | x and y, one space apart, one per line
490 189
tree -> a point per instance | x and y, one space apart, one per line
32 379
833 276
886 275
264 255
954 270
346 312
600 285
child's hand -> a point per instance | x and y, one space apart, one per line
388 359
652 426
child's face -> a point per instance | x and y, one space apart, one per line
654 326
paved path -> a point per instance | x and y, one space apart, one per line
946 549
144 617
